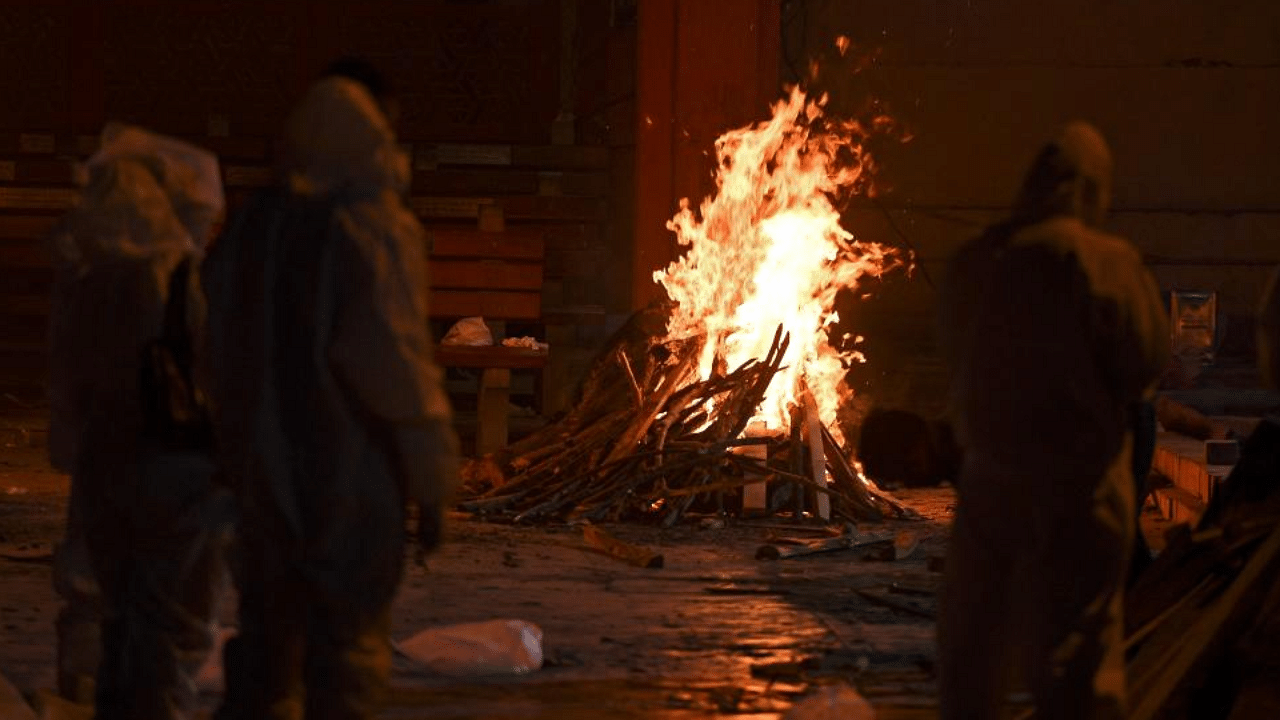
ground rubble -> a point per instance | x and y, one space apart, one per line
714 632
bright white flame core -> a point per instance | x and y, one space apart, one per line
767 249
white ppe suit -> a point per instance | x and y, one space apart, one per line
328 409
1054 332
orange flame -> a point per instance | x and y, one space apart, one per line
767 249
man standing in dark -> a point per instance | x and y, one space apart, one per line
1054 332
328 409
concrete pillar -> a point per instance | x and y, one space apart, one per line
702 68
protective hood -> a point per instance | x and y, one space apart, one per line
145 197
1071 177
339 142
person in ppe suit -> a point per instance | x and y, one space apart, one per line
1054 332
329 410
141 566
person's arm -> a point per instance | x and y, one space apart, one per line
382 349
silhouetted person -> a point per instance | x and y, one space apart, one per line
146 526
1054 331
328 408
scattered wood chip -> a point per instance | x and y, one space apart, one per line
905 544
598 539
779 551
907 589
891 602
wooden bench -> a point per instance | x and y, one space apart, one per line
493 273
37 185
506 226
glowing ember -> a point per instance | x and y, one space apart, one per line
767 249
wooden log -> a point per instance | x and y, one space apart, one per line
495 410
814 435
782 551
672 380
598 539
1158 672
848 480
892 602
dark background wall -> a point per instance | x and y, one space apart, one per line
1185 91
519 102
466 71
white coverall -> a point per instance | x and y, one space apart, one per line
329 410
1054 331
141 564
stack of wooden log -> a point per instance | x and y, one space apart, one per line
1203 621
649 440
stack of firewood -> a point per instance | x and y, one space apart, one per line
1202 622
649 440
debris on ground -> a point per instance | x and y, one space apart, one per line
492 647
836 702
598 539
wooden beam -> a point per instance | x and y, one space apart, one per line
497 305
485 275
493 407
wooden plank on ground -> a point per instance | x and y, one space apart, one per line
598 539
485 275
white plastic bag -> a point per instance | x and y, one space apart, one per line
493 647
838 702
468 331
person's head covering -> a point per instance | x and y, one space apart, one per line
145 196
1070 177
338 141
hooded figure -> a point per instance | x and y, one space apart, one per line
328 410
1054 332
140 568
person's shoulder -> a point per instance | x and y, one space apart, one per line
382 224
979 250
1071 236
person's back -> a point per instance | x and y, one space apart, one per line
1059 344
146 524
329 409
1053 331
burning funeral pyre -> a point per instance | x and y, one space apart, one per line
725 396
